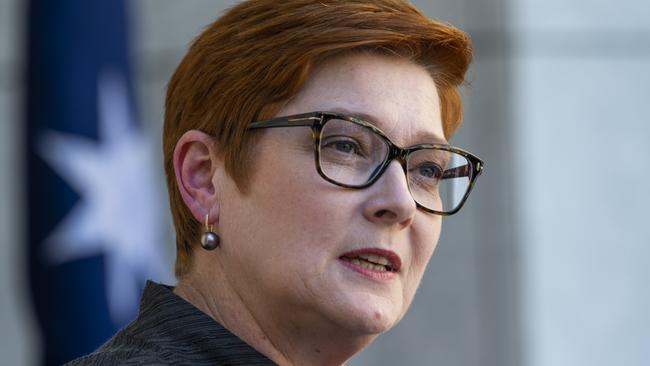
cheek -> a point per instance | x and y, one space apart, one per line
298 213
424 242
300 222
427 236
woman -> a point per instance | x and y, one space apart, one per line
308 169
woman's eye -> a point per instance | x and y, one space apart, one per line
344 146
429 171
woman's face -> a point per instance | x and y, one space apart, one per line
287 243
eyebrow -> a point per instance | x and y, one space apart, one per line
428 137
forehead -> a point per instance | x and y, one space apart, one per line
396 94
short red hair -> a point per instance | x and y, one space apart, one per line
253 59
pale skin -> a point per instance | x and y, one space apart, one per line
277 281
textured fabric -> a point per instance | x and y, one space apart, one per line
171 331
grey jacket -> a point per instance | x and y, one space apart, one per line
171 331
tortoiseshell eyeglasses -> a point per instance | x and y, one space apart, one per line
353 153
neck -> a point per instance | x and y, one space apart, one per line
287 340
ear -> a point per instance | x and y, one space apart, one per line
195 163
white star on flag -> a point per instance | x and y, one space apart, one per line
118 214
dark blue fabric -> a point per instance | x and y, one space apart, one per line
69 42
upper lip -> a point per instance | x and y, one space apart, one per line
394 260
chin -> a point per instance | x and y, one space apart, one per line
369 315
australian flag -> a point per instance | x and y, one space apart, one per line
92 221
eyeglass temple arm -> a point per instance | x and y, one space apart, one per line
285 122
467 170
458 172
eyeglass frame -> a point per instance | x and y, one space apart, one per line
316 120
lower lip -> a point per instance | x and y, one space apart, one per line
375 275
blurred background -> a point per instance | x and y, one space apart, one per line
547 264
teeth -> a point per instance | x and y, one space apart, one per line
375 259
380 260
367 265
372 267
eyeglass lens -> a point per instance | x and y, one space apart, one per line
353 154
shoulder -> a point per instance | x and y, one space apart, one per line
170 331
124 351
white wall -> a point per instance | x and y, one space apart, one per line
17 329
581 87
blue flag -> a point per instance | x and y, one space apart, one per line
93 220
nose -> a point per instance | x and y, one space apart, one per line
390 201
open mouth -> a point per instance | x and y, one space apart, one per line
374 260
